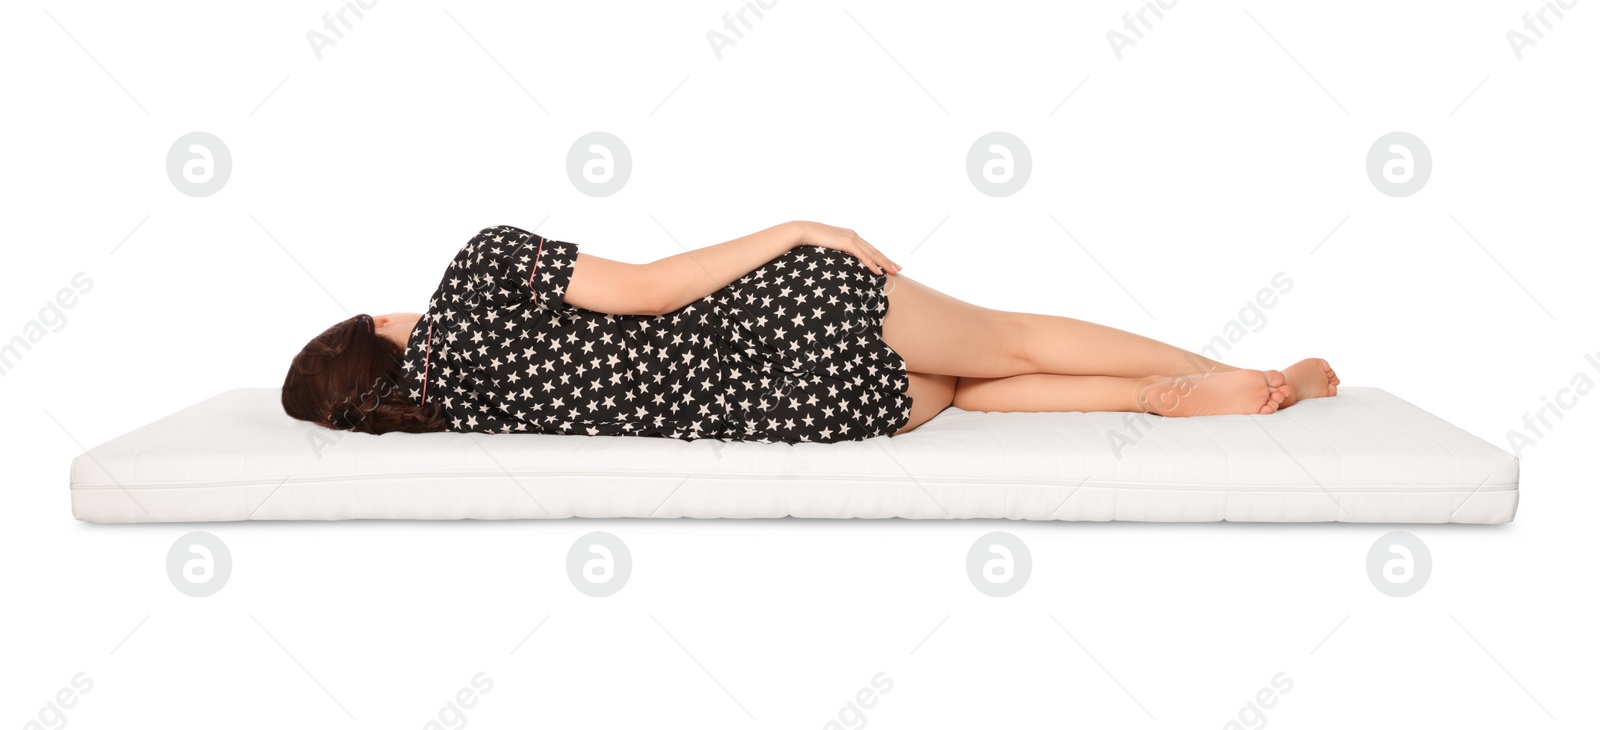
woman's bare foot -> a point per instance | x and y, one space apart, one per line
1309 378
1247 392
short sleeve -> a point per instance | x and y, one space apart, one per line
509 266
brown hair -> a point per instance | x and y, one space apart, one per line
348 378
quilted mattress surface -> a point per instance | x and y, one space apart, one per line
1363 456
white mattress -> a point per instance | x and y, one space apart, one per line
1363 456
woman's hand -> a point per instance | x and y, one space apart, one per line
846 240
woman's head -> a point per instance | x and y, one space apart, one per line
349 378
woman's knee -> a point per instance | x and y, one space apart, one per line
1016 338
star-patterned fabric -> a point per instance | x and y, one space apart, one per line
791 352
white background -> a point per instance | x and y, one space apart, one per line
1190 171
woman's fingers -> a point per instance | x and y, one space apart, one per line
860 252
863 251
844 239
891 266
877 259
869 258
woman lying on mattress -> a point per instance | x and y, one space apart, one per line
802 332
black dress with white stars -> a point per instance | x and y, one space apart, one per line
791 352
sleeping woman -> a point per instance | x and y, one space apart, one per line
802 332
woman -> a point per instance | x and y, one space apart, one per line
802 332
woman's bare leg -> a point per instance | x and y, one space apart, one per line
1237 391
937 333
1012 361
1234 392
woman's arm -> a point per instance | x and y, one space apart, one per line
662 286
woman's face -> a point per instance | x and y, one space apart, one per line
396 327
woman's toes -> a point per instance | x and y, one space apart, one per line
1274 399
1309 378
1277 390
1333 378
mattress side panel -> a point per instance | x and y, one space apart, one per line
668 496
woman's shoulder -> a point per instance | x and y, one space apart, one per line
498 241
511 265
